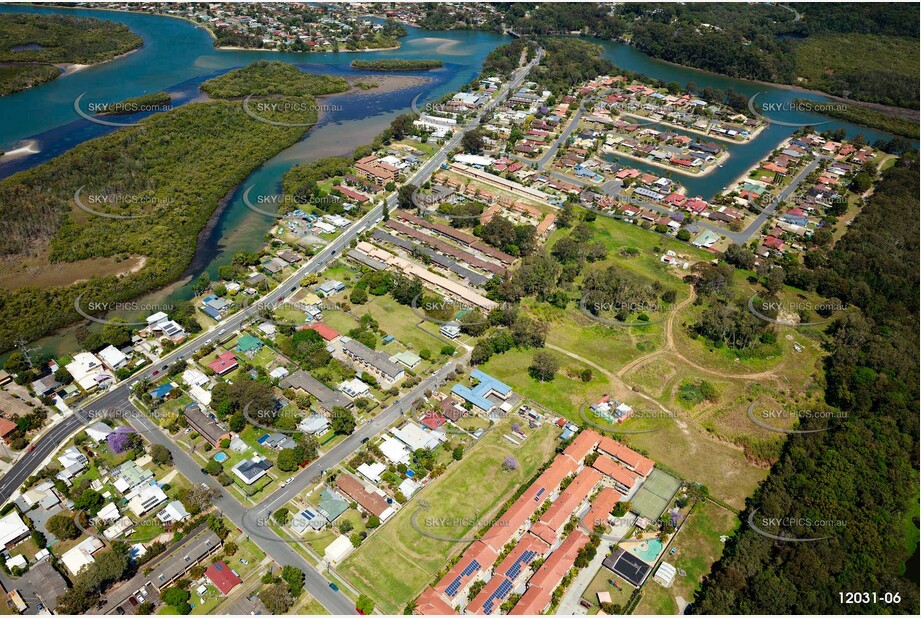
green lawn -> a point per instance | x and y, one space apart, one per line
563 395
601 584
698 547
397 562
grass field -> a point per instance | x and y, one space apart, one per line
698 547
397 562
563 395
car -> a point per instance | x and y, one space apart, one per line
156 371
180 357
292 289
585 604
164 367
363 440
208 342
281 298
203 471
334 587
244 561
222 331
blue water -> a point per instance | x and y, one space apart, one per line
648 551
220 457
177 56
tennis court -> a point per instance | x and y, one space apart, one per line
654 495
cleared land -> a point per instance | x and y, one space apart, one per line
397 562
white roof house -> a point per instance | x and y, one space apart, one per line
415 437
372 472
394 450
12 529
146 499
156 318
113 358
408 487
109 512
314 424
72 461
82 554
98 431
338 549
355 388
200 395
194 377
174 511
88 371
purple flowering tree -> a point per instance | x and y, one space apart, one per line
510 463
121 440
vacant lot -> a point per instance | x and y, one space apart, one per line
396 563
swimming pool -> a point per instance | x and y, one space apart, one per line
648 550
220 457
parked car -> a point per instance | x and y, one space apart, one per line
334 587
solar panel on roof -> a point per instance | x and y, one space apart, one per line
540 492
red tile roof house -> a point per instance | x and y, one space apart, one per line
571 499
627 456
327 332
430 604
225 363
478 559
222 577
622 479
601 509
6 427
541 586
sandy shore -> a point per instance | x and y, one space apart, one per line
68 68
27 148
385 83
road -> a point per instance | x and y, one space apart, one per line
116 399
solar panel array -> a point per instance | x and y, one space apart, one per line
524 559
455 585
500 593
540 492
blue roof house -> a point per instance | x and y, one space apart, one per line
487 386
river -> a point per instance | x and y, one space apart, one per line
177 56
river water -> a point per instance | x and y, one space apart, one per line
178 55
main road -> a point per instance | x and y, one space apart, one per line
116 399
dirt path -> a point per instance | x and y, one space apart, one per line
671 349
612 376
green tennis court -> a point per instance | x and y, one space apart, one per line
654 495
